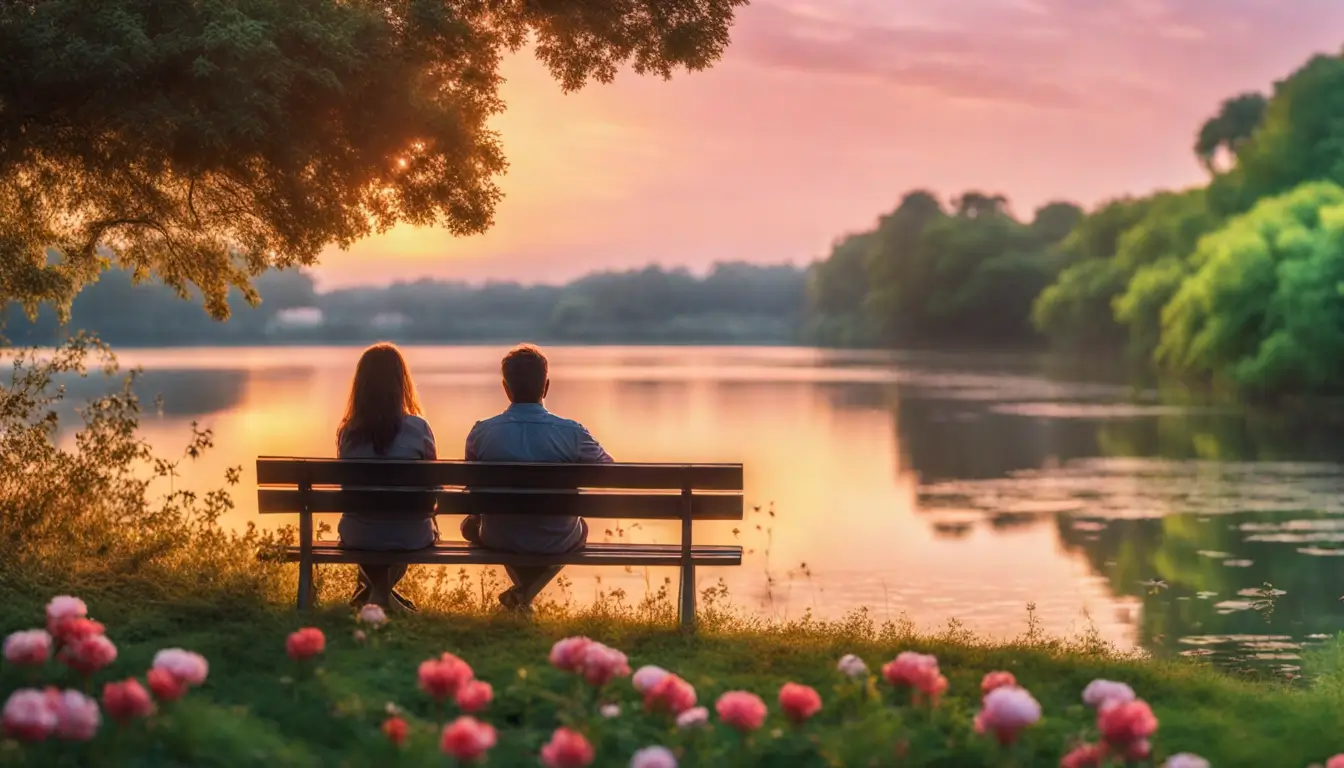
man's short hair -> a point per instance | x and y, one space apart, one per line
525 370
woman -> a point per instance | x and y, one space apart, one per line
383 421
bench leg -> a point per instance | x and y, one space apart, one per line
688 598
305 586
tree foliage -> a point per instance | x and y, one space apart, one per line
203 142
1229 130
1264 307
926 273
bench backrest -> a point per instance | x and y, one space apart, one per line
634 491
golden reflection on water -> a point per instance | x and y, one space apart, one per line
817 432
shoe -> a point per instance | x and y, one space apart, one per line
511 600
404 601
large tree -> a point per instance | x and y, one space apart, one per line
205 141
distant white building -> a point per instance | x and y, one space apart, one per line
296 319
389 321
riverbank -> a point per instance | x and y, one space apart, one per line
260 707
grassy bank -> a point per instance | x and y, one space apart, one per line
259 707
102 521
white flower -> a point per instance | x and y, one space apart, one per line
1010 709
647 677
695 717
373 615
852 666
611 710
190 668
654 757
1186 760
1099 692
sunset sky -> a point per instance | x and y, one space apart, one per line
823 113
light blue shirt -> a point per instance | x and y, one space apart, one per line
527 432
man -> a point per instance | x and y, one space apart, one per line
527 432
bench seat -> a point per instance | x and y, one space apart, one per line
462 553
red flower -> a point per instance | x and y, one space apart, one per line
127 700
165 685
29 715
997 680
670 694
567 749
395 730
1126 724
1085 756
799 702
741 710
305 644
474 695
467 739
444 676
89 653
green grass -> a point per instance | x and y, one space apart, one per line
259 708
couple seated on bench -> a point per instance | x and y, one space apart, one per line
384 421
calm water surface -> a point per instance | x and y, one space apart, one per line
933 487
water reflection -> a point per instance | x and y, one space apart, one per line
934 486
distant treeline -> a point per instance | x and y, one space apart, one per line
733 303
1238 282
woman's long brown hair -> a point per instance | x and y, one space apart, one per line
381 395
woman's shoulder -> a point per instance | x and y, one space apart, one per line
415 423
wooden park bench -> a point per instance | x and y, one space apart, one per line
685 492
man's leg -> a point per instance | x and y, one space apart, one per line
530 580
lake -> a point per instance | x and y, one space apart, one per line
923 486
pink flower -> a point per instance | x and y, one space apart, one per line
1126 725
444 676
305 643
996 680
918 671
127 701
567 655
474 695
695 717
1085 756
601 664
1006 712
741 710
165 686
799 702
1186 760
394 728
567 749
852 666
373 615
28 649
654 757
646 677
29 715
1335 762
62 610
1098 692
670 694
467 739
88 654
77 716
186 667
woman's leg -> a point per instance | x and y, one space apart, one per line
380 583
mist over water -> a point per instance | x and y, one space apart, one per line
926 486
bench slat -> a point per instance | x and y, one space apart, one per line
461 553
503 501
274 470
